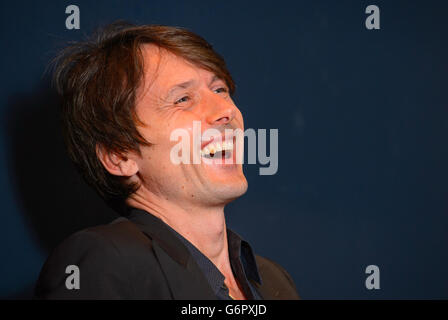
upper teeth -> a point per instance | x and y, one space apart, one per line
215 147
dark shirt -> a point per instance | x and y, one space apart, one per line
242 261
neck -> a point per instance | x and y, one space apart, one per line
204 227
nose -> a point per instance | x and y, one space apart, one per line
220 111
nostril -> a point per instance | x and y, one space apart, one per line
223 120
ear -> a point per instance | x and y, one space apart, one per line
116 164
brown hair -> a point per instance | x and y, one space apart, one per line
98 80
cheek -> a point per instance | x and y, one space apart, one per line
159 134
184 121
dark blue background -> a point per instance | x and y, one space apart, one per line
362 118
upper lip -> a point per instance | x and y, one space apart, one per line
213 138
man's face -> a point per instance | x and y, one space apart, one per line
174 94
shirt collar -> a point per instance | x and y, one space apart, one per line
240 249
240 253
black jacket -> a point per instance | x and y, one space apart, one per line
140 258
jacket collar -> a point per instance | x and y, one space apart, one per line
157 230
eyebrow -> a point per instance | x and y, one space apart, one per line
183 85
186 85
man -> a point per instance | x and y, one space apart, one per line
124 93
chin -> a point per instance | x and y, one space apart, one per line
230 191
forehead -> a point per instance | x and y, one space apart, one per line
163 69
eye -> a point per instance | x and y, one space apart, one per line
222 89
183 99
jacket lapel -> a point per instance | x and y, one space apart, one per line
186 282
183 275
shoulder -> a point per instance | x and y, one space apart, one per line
118 239
276 281
107 257
121 236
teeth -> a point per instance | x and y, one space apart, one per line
215 147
